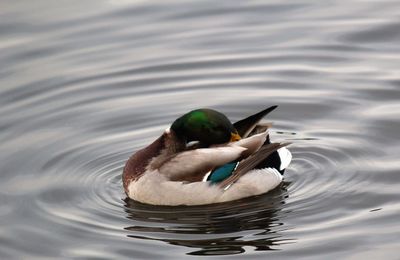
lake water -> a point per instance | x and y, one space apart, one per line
84 84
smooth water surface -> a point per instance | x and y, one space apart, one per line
84 84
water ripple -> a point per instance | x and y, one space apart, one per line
83 86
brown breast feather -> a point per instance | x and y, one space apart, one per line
137 163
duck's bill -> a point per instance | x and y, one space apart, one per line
235 137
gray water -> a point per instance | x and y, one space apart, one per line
84 84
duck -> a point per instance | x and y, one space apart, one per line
203 158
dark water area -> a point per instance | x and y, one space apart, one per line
84 84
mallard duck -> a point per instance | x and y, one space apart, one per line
202 158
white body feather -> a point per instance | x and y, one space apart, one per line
154 188
286 157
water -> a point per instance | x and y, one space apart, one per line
86 83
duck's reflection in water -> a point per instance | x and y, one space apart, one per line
219 229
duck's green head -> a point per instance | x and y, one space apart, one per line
205 125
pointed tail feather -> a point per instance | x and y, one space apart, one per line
245 126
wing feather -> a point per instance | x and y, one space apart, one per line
252 143
249 163
194 164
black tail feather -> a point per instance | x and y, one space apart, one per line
245 126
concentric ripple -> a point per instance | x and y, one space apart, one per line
85 85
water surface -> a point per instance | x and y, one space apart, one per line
85 84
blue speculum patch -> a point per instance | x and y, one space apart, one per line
223 172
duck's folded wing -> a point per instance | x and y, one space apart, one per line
251 162
260 128
194 164
252 143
